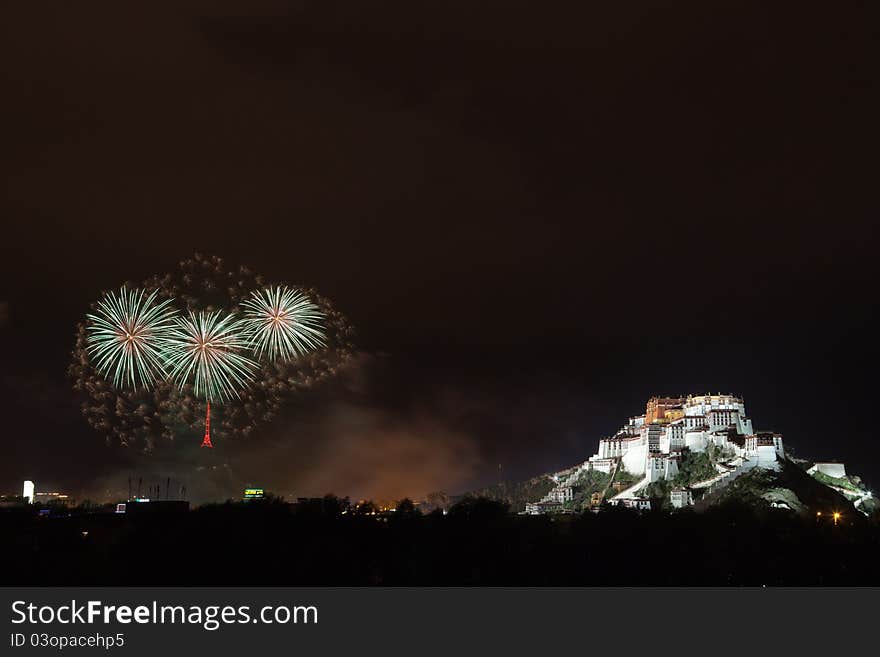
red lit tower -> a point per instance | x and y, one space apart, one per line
206 441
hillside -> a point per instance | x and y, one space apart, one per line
696 449
789 487
586 484
517 494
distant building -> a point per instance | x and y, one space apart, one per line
638 503
553 501
560 494
12 501
153 506
54 498
28 491
539 508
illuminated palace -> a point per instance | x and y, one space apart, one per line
650 447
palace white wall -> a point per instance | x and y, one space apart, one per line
695 440
654 469
635 457
837 470
602 465
680 498
766 457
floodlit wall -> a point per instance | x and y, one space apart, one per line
721 419
695 440
766 457
836 470
780 449
611 448
680 499
664 442
654 469
602 465
635 457
675 434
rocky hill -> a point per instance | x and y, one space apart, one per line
790 487
691 450
517 494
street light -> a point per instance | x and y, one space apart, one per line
836 518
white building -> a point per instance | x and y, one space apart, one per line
28 491
766 448
632 503
661 466
673 439
538 508
680 498
560 494
650 446
601 464
694 422
829 468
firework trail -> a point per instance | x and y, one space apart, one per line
126 335
205 348
282 324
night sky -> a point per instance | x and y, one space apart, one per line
536 215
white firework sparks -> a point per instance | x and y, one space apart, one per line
205 349
282 323
126 337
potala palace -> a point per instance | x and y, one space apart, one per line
649 447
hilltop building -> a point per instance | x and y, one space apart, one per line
651 444
650 447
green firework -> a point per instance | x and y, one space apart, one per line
282 323
126 337
205 349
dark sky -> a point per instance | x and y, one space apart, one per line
536 215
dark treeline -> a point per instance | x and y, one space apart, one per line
477 543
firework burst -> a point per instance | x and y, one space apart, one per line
204 349
126 336
158 416
282 324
